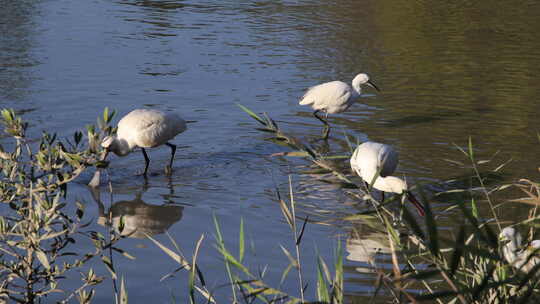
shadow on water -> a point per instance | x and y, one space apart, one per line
463 188
164 5
420 119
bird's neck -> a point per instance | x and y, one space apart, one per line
511 249
515 245
389 184
357 91
120 147
510 253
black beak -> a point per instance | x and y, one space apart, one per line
371 84
416 203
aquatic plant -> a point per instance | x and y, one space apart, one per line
40 228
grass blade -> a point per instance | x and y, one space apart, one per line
302 231
123 292
241 244
252 114
322 289
458 252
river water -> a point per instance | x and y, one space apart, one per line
447 71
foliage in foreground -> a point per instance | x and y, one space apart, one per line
39 231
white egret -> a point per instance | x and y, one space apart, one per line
520 258
370 158
334 97
145 128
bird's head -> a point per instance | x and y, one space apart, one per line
398 185
362 79
510 234
118 146
108 143
507 234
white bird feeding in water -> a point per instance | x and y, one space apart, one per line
521 258
145 128
370 158
334 97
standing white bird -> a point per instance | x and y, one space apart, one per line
370 158
520 258
145 128
334 97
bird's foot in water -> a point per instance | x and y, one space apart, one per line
323 138
168 170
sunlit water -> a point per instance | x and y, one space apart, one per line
446 72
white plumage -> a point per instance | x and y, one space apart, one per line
521 258
369 158
145 128
334 97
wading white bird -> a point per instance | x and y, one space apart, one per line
145 128
520 258
369 158
334 97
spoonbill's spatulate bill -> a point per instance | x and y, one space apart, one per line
520 258
145 128
334 97
369 158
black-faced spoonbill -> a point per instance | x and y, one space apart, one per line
520 258
369 158
334 97
145 128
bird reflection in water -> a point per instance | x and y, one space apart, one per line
139 218
369 248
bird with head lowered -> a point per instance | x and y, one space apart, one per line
370 159
145 128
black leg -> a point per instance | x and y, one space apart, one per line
382 196
147 161
168 170
326 130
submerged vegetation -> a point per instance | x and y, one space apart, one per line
41 228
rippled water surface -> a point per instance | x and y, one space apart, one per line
447 71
